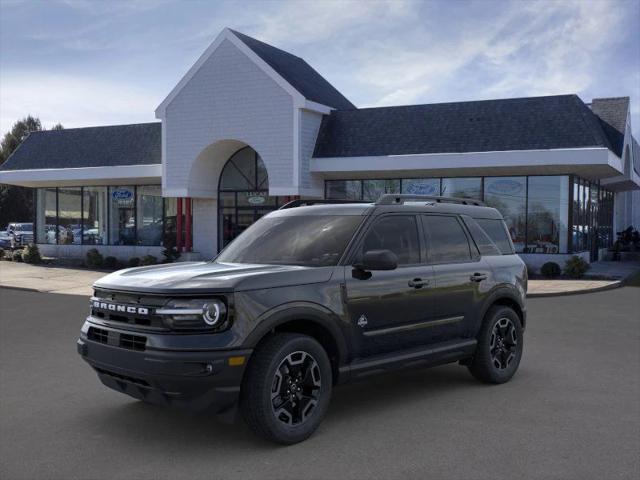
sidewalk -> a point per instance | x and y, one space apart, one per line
72 281
75 281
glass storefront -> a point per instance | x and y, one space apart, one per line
509 196
535 208
69 216
243 194
94 215
117 215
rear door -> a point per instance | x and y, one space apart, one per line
388 309
460 277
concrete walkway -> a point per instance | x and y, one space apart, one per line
72 281
75 281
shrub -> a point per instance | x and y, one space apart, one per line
94 258
31 254
550 270
110 263
148 260
170 254
16 256
576 267
133 262
1 254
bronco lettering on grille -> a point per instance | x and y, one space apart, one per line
120 308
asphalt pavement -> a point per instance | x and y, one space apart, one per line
571 412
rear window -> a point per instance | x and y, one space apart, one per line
481 238
498 233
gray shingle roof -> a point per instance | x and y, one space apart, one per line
534 123
137 144
613 116
298 73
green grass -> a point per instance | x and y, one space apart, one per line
633 280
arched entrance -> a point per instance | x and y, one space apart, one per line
243 194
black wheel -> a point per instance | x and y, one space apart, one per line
287 388
499 349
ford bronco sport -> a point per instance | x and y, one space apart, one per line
310 296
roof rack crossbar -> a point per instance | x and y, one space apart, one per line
399 199
319 201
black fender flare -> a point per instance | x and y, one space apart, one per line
503 292
300 311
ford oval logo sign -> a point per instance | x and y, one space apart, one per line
505 187
423 189
122 194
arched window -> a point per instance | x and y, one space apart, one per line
243 194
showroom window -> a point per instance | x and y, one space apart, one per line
536 208
421 186
69 216
149 215
121 215
547 214
94 215
462 187
46 215
509 196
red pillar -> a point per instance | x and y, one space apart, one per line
179 224
187 213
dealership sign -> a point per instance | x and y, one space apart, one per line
123 197
256 198
505 187
423 189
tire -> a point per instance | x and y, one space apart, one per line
281 364
497 356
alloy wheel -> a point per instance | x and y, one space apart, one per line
504 343
295 391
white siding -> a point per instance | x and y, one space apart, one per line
229 97
309 126
205 230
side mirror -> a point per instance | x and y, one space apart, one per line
378 260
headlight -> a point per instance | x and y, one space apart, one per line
199 314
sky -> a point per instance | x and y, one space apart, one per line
102 62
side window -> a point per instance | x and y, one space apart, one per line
484 243
497 231
398 233
447 241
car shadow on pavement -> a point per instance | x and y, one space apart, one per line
386 394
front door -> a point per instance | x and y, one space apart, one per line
387 308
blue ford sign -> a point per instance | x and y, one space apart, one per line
505 187
122 194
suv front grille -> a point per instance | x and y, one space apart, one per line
122 340
130 309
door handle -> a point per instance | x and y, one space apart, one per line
478 277
418 283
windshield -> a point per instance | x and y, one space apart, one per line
311 240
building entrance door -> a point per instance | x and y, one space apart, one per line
243 195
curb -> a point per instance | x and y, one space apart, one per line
23 289
613 286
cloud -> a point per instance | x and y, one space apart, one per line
72 100
295 22
533 48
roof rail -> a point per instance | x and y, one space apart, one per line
320 201
399 199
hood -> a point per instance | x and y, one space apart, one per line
210 277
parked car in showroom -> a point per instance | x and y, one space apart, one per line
311 296
19 234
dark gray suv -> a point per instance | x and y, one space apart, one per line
309 296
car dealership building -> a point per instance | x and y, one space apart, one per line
250 127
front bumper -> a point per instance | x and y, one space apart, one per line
196 380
